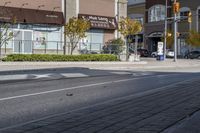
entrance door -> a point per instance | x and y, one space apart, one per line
23 42
154 43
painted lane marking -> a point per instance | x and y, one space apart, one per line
76 87
137 95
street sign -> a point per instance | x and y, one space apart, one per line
160 48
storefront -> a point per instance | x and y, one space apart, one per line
35 31
101 29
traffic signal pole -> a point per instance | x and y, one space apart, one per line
165 34
176 11
175 37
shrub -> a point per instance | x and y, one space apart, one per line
114 46
46 58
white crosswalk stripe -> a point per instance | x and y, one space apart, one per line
71 75
121 73
133 74
41 76
13 77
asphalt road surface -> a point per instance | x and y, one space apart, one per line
25 101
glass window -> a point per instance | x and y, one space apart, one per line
156 13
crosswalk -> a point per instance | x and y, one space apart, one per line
133 73
65 75
41 76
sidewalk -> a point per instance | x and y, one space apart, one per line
146 64
154 111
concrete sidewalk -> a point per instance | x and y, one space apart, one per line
154 111
145 64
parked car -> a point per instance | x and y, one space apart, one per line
193 55
154 54
143 52
170 54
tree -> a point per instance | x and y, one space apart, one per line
128 27
193 39
75 30
5 33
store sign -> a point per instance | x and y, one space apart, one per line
100 22
160 48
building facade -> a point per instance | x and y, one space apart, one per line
136 11
103 16
39 23
37 27
155 19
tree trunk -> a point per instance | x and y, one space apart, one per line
72 49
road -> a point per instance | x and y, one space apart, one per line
31 100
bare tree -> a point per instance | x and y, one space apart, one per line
6 21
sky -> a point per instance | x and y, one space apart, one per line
135 1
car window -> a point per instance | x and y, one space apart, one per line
195 52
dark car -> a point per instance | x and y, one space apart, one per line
193 55
143 52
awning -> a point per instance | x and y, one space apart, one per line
31 16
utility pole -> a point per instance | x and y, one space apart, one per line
165 34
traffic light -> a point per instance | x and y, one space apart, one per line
176 7
190 17
169 34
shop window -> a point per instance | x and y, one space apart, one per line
156 13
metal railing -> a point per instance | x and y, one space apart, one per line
54 47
